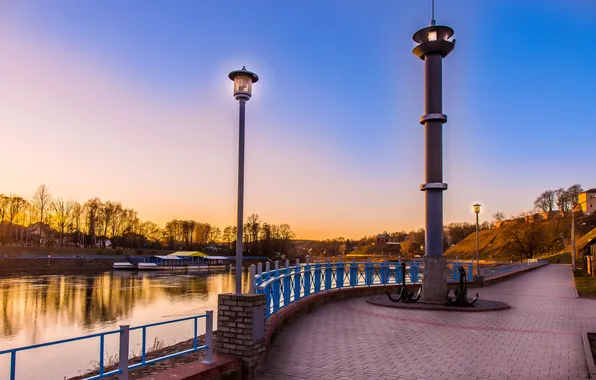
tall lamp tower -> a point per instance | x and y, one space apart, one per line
434 43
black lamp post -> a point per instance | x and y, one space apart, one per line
477 211
243 80
434 44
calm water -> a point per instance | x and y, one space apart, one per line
39 309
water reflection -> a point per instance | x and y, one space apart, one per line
35 308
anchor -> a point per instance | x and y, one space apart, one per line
403 294
460 295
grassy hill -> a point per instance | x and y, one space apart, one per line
496 243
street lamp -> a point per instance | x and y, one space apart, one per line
477 211
573 250
433 44
243 80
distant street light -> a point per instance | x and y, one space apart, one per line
243 80
477 211
573 249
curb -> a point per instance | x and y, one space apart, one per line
588 356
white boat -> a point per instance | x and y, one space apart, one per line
147 266
124 265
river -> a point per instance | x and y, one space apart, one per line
41 308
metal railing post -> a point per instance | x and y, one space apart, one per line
13 365
353 273
267 274
339 273
317 275
123 352
251 278
209 337
297 280
259 269
276 285
328 274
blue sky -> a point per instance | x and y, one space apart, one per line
333 142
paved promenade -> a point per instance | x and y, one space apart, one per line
538 338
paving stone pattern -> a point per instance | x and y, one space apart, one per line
538 338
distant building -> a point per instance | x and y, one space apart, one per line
383 238
587 201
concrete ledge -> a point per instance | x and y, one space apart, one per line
588 356
224 368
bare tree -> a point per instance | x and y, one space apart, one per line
572 195
253 226
499 216
42 200
229 236
561 199
76 220
214 234
92 207
545 201
63 213
15 204
107 214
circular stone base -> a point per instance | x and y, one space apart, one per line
479 306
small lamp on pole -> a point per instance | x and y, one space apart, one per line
477 211
243 80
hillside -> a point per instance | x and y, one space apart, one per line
581 242
492 245
513 237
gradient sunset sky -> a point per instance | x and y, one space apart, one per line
130 101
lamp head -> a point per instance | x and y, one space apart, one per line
243 80
434 39
477 208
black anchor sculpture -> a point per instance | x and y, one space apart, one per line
404 296
461 294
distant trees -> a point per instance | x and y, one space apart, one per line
63 215
545 201
564 199
42 200
499 216
47 221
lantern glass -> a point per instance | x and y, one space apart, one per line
432 35
242 83
476 208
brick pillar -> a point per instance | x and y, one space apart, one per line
241 330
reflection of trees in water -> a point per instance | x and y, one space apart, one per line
43 302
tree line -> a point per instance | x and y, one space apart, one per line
44 220
564 199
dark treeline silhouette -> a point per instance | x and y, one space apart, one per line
46 221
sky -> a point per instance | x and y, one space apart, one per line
130 101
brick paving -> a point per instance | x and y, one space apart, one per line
538 338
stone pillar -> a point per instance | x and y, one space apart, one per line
241 330
434 284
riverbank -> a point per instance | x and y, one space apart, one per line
16 266
21 251
150 369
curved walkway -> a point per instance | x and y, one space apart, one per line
538 338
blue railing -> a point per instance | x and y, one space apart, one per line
124 343
287 285
491 272
284 286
